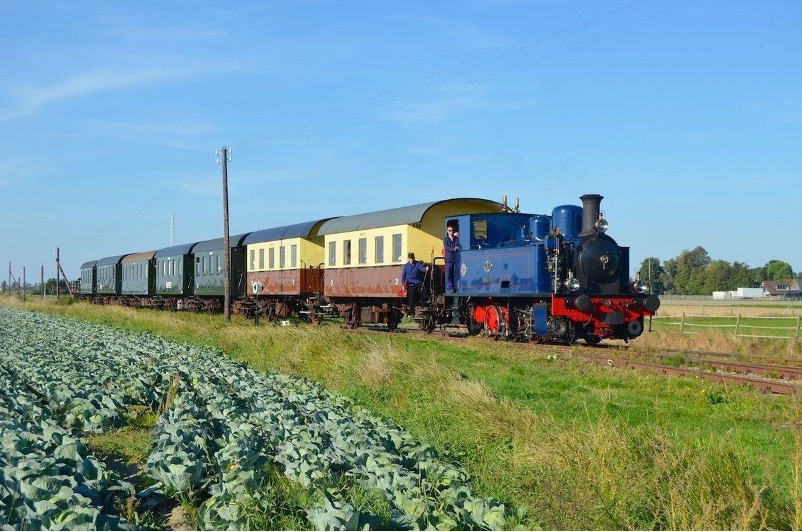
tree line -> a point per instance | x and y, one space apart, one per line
35 288
695 273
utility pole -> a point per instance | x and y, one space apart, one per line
224 158
43 281
58 272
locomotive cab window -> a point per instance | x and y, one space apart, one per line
480 230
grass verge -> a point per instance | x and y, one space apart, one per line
577 446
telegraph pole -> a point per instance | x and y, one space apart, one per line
58 272
224 158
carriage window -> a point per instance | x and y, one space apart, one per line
262 258
253 259
347 252
397 247
332 253
378 243
363 251
271 258
294 256
480 229
281 257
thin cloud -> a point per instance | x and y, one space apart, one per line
30 98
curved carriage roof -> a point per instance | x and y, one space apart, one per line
401 216
138 257
180 249
217 244
89 264
303 230
110 260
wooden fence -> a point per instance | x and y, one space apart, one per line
776 327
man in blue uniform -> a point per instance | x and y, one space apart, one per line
412 278
451 249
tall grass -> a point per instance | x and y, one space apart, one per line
568 444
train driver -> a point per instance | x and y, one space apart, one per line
412 278
451 248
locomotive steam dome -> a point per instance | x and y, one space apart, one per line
599 258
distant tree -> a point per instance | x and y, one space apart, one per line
777 270
651 270
50 286
689 277
669 274
741 276
717 277
757 275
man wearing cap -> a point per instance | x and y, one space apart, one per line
412 278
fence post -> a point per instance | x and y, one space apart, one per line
737 324
798 322
682 323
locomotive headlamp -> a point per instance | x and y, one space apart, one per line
601 225
573 284
640 287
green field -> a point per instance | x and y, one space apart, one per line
564 444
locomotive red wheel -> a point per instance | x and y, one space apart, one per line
494 319
476 320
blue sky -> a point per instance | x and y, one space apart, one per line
685 115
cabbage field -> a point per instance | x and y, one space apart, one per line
223 428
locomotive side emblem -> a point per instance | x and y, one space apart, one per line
463 270
488 266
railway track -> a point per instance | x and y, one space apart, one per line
772 375
725 373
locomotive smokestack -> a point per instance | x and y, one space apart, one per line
591 206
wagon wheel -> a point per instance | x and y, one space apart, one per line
316 315
428 322
352 317
393 318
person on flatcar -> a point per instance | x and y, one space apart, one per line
412 277
451 249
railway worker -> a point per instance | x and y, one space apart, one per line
451 249
412 278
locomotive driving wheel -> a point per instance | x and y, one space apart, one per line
476 319
494 320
